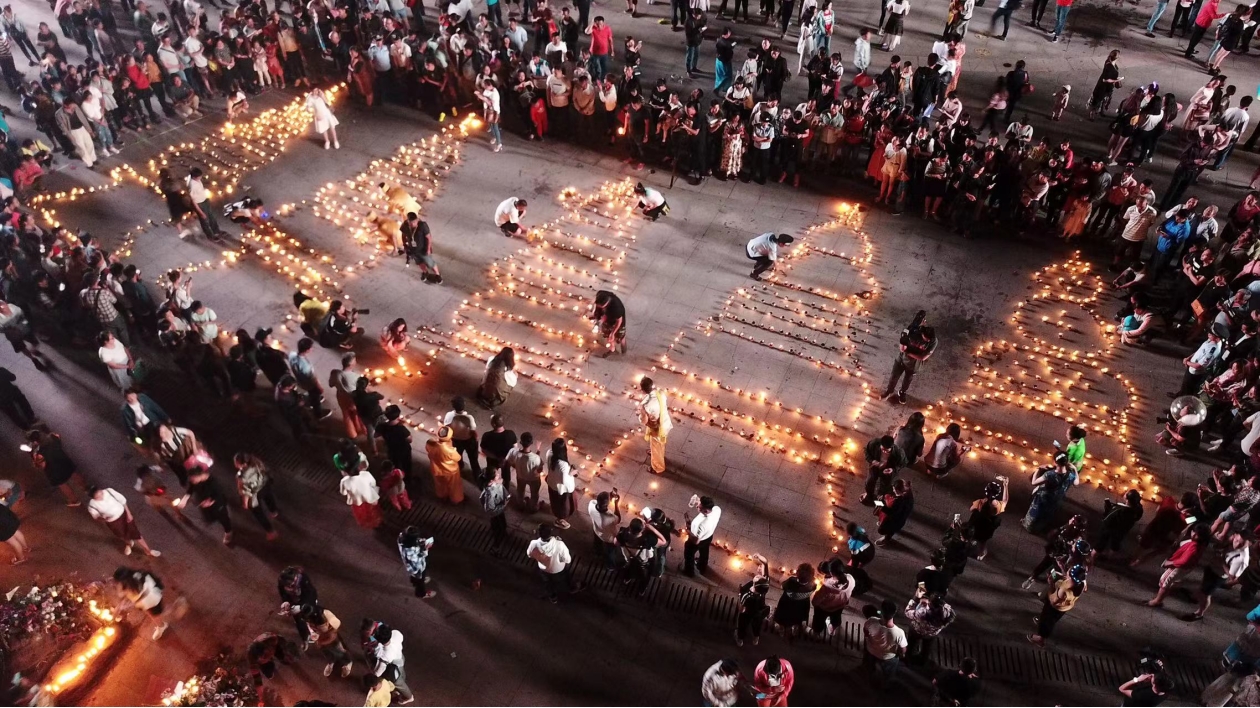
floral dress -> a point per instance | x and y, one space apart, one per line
733 145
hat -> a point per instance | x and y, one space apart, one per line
262 333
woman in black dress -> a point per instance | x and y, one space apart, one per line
49 457
1108 82
792 612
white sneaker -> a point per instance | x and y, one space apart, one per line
328 670
154 554
160 630
345 670
326 145
1027 584
127 550
336 145
1213 447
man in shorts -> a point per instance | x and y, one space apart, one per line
508 216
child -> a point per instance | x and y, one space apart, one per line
753 608
1061 98
395 489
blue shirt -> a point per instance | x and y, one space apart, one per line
1172 234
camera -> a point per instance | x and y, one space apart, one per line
355 312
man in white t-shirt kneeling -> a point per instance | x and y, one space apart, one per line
764 250
508 216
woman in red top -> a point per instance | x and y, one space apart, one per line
773 681
140 82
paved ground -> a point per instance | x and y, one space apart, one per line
684 283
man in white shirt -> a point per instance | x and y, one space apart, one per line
389 652
554 562
1137 222
720 685
205 210
862 51
1234 120
764 250
508 216
1198 363
885 644
605 522
490 103
527 466
700 534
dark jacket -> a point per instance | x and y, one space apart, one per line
151 410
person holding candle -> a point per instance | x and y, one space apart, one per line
772 681
609 314
417 243
393 431
508 215
561 480
143 591
499 379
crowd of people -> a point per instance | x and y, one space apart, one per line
902 127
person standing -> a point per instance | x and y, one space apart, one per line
601 47
497 444
1005 8
929 615
205 491
883 459
725 57
654 417
304 372
721 684
693 29
16 328
359 487
605 521
322 631
74 122
885 644
1061 10
443 464
205 210
414 547
764 252
49 456
772 681
323 120
343 381
554 561
393 431
561 482
110 507
700 534
390 661
14 402
254 485
753 606
895 511
490 103
526 465
494 499
918 342
1209 12
1064 591
463 433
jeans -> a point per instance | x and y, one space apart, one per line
721 75
1160 6
209 223
495 135
495 13
1224 155
599 66
693 58
1060 18
884 670
902 365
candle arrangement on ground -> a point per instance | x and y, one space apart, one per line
76 625
226 155
813 326
412 176
1044 371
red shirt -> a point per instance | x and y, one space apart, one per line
1063 3
601 40
1186 554
138 77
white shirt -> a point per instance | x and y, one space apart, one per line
652 198
1207 353
552 556
561 478
763 245
1253 433
528 465
113 354
882 641
360 489
391 653
654 413
719 689
704 525
861 54
137 410
450 415
197 191
490 99
196 51
150 594
110 507
605 524
507 212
